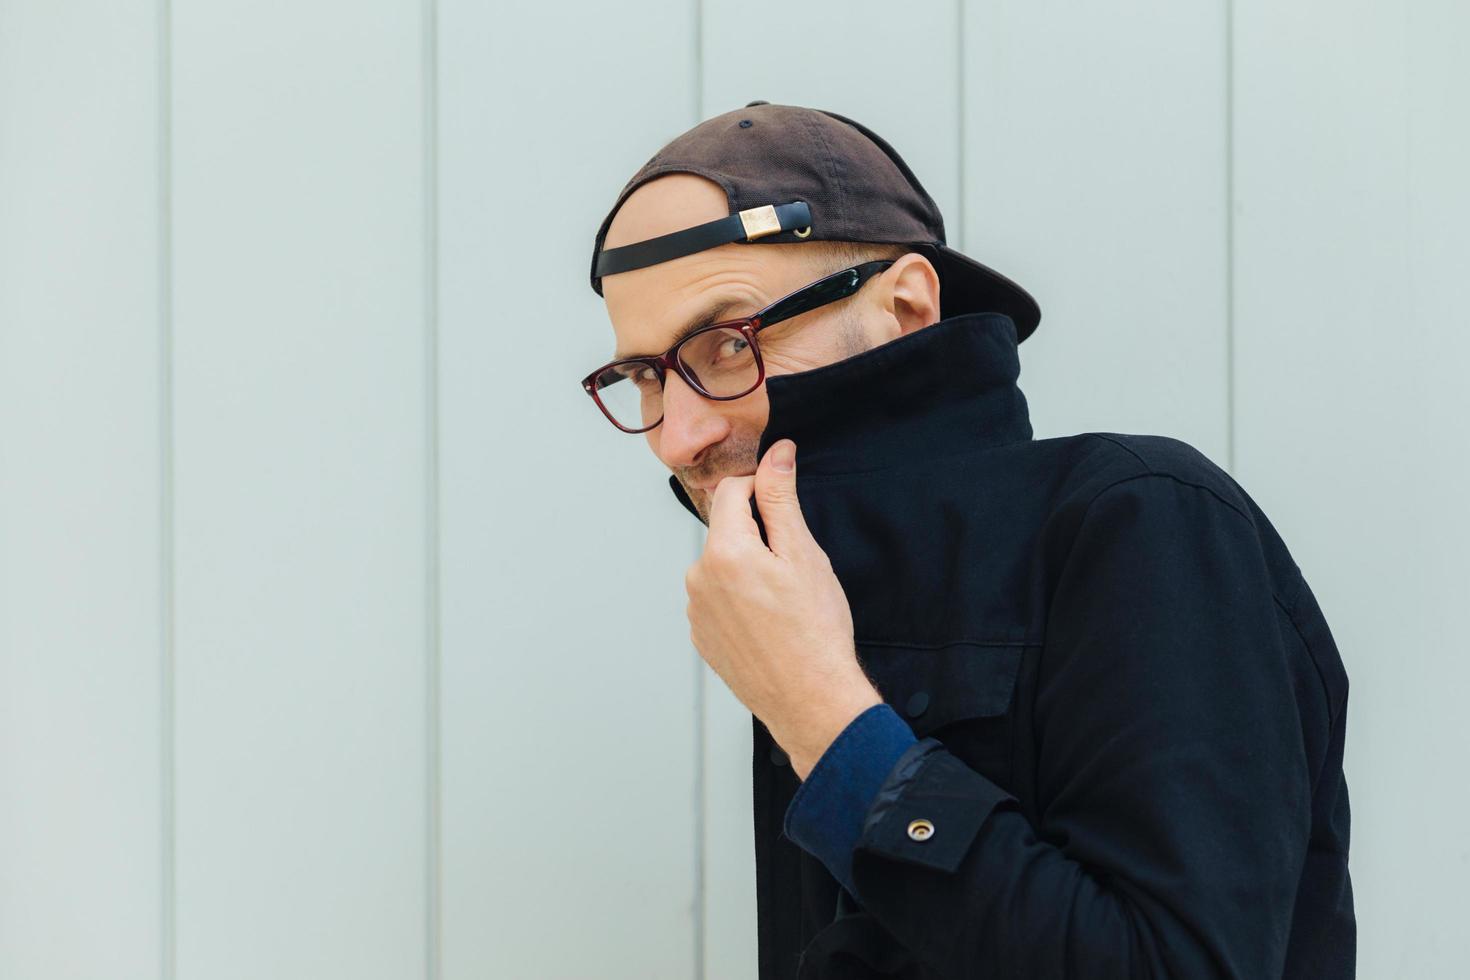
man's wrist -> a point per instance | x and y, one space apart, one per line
822 728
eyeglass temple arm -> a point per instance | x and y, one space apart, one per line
830 289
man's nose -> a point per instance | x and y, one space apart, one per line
691 422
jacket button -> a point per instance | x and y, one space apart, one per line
778 756
918 703
920 829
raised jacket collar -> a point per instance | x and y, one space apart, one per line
944 389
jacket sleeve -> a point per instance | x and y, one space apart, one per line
1173 790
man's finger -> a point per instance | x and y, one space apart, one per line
775 495
729 509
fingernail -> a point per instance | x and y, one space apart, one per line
783 457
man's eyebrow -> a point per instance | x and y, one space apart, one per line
715 312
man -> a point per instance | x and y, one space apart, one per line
1031 708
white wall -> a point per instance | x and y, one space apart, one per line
297 577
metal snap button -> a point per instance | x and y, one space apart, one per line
918 703
920 829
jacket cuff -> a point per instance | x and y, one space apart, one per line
930 808
826 816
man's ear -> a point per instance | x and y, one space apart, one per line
915 292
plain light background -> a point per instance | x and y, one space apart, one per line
341 636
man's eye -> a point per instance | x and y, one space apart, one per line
643 376
741 344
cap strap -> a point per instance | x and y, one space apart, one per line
750 224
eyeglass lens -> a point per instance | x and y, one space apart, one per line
721 361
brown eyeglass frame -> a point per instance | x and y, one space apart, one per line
828 289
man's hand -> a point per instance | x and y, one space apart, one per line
773 621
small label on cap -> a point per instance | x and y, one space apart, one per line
759 222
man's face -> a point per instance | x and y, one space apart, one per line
701 440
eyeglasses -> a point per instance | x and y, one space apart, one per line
721 361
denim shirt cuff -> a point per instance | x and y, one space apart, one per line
825 817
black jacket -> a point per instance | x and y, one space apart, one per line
1131 745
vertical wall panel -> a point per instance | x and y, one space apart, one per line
1352 212
81 653
300 487
570 755
1095 165
896 73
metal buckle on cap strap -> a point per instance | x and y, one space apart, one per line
759 222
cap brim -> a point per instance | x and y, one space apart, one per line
967 286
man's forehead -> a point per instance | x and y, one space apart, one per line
651 311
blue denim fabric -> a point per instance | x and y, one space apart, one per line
826 815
